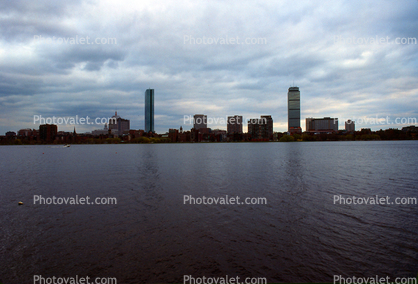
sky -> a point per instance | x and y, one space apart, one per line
178 48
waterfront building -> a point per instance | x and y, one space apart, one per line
220 134
261 128
118 125
350 126
149 110
234 124
47 132
411 128
11 134
104 131
293 108
27 132
326 124
200 121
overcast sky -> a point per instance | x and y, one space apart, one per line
296 45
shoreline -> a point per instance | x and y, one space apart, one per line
235 142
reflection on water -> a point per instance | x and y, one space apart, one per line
150 236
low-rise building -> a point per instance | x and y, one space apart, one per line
322 125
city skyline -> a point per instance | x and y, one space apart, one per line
117 124
315 49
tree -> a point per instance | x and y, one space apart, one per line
307 137
287 138
296 136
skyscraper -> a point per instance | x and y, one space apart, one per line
149 110
293 108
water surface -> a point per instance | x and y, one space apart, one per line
151 236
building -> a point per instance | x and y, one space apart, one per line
99 132
11 134
118 125
269 126
326 124
261 128
135 133
293 108
255 128
220 134
295 130
350 126
369 131
47 132
27 132
234 124
411 128
200 121
184 136
149 110
173 135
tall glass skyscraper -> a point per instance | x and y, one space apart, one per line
149 110
293 108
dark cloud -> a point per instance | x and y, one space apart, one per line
151 50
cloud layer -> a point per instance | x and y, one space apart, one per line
337 79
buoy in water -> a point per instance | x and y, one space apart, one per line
20 203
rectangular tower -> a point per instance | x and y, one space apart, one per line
293 108
149 110
234 124
200 121
350 126
261 128
268 130
47 132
